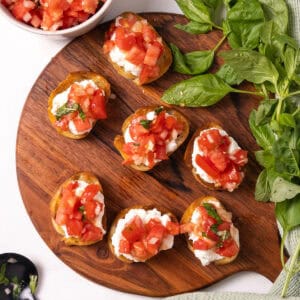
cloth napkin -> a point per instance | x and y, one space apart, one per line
293 238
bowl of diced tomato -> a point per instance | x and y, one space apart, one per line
57 18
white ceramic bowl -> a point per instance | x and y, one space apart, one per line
74 31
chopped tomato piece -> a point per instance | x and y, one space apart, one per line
90 192
128 22
91 233
90 6
209 140
187 227
82 125
207 166
61 218
90 209
229 248
149 34
161 152
74 227
124 246
171 122
108 46
213 236
239 157
152 55
224 226
200 244
208 222
97 105
156 234
126 43
231 175
173 228
219 159
135 55
148 73
134 231
139 250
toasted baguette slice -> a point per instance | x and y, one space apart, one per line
189 163
55 202
119 140
164 62
100 81
122 215
225 215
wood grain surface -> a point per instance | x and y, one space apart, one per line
45 159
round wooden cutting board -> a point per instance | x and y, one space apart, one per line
45 159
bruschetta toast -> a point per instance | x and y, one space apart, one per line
210 233
151 135
77 103
216 160
141 232
78 210
136 50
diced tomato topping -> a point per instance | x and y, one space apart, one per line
134 231
173 228
224 226
61 218
149 34
139 250
200 244
90 192
74 227
207 166
97 105
90 209
220 164
150 138
152 55
136 55
82 125
207 222
187 227
239 157
212 236
91 233
148 73
229 248
125 43
108 46
90 6
124 246
219 159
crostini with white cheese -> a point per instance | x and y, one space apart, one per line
151 135
216 160
210 233
78 210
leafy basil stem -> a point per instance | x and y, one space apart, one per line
67 109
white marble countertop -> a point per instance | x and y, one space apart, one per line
23 57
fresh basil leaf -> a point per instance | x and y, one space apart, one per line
158 110
213 4
195 10
262 187
277 11
251 65
33 283
263 134
265 158
212 212
265 111
192 63
283 190
146 123
290 61
227 73
243 23
287 213
201 90
195 27
286 158
214 228
67 109
287 120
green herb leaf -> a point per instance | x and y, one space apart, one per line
67 109
192 63
195 10
262 187
265 158
243 23
265 111
81 209
214 228
195 27
201 90
227 73
263 134
33 283
286 119
3 279
145 123
287 213
212 212
251 65
277 11
158 110
283 190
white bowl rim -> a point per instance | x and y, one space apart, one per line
58 32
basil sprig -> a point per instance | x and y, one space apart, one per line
67 109
146 123
212 212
